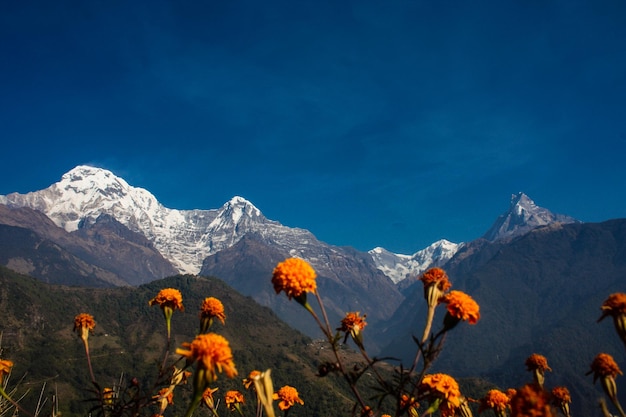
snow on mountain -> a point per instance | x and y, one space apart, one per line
187 237
522 216
184 237
399 267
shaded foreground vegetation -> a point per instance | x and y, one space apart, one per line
129 340
127 350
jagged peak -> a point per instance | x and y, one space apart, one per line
522 216
399 267
521 201
441 244
236 211
238 203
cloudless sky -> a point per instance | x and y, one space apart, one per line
370 123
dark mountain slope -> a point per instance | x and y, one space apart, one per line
540 293
354 284
27 252
102 252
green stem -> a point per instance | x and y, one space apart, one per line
194 404
342 369
93 378
429 322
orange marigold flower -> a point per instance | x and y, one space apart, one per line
288 397
537 362
213 354
614 305
604 365
295 277
562 398
233 399
406 402
249 381
165 397
83 324
168 297
409 404
494 400
84 320
461 306
511 392
211 308
108 395
561 394
436 276
5 368
353 322
442 386
531 400
207 397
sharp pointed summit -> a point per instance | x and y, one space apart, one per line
522 216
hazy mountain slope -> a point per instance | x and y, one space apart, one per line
106 251
351 283
540 293
24 251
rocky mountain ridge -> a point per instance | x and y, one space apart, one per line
399 267
192 240
187 237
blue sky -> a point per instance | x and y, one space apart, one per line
369 123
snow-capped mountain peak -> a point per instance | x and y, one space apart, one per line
399 267
522 216
183 237
84 193
237 210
